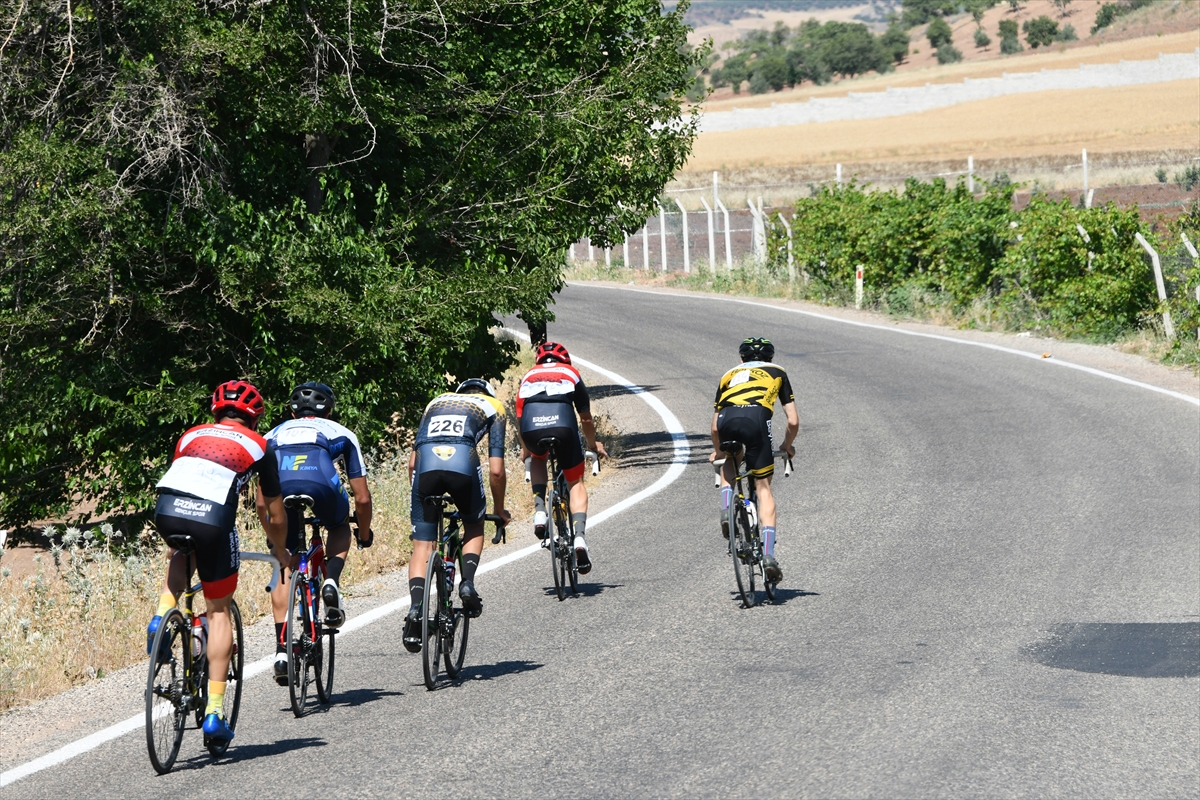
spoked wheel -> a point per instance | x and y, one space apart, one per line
570 562
741 547
557 563
302 654
768 586
233 683
166 690
323 668
456 641
431 635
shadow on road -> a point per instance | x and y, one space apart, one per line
601 391
246 752
488 672
656 448
782 596
585 589
359 697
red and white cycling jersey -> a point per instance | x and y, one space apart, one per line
213 458
553 382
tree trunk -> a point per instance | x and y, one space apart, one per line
316 148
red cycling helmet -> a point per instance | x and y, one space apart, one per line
240 397
552 350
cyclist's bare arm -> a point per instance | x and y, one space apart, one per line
498 478
588 426
276 523
363 507
793 428
412 465
716 439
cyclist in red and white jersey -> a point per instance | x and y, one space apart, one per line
550 395
198 497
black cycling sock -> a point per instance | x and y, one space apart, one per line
279 648
416 591
470 563
334 566
580 520
539 497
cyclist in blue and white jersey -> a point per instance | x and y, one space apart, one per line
308 447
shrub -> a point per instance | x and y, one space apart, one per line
758 84
1066 34
1040 31
1010 45
939 33
982 39
895 43
1161 174
949 54
1188 178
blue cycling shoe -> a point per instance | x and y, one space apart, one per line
216 728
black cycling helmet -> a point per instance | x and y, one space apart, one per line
312 399
756 349
474 386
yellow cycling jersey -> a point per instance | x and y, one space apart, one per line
754 382
464 417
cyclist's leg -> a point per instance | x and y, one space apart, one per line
217 563
472 506
537 480
279 597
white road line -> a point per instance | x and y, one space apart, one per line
678 464
1054 362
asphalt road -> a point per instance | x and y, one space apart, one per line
992 587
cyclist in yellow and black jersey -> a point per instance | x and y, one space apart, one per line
742 412
444 461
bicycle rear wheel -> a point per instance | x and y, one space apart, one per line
570 564
166 690
325 650
556 545
431 635
768 586
299 641
456 642
741 548
233 682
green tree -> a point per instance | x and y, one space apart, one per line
939 33
1009 37
1040 31
1061 5
895 42
918 12
192 192
949 54
982 40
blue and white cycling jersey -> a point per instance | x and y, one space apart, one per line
308 444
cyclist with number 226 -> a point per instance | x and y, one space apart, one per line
743 410
308 446
444 461
547 400
198 497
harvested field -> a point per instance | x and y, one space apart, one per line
1155 117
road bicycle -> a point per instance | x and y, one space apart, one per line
177 681
311 645
745 536
444 627
560 540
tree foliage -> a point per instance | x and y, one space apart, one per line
939 33
1040 31
343 191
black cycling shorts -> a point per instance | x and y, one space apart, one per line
750 425
331 505
451 469
214 536
542 421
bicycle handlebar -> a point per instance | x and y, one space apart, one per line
501 535
275 569
720 462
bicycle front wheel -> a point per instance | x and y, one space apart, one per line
456 641
741 546
233 681
325 652
166 690
299 641
431 635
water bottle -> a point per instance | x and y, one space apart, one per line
752 511
199 635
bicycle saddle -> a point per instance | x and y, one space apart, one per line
180 541
735 448
298 501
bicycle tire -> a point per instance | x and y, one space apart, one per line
740 547
233 681
431 635
298 641
768 586
326 650
166 707
570 562
554 544
455 652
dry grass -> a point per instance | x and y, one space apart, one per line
83 611
1129 118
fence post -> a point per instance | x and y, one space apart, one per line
646 246
755 226
712 237
625 251
662 237
1168 326
839 174
791 261
591 251
571 251
728 244
971 174
716 194
1087 201
608 257
1191 248
858 286
687 253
